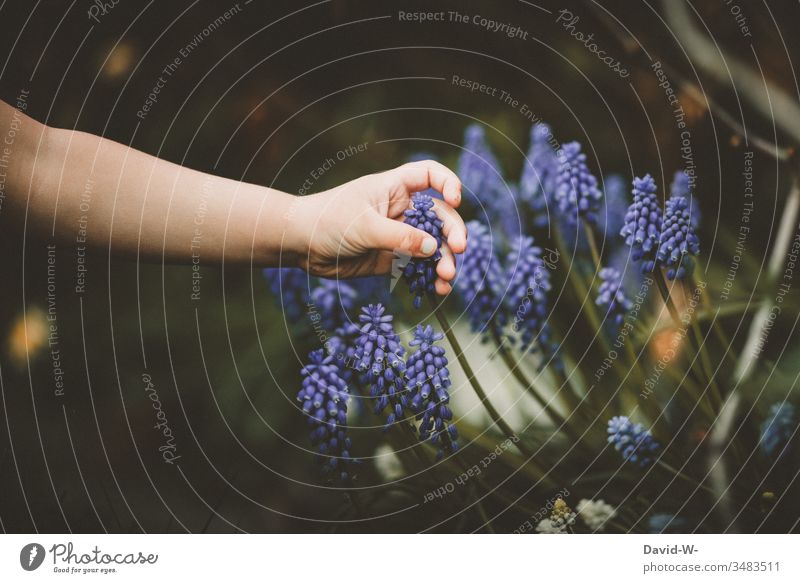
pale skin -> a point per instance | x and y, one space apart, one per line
141 207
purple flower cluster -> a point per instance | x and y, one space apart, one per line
611 296
379 356
576 190
634 442
612 219
479 169
332 300
420 273
539 172
642 227
428 383
678 241
480 282
659 239
681 187
290 287
324 397
528 283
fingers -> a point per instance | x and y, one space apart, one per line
446 270
442 287
385 261
446 267
453 226
418 176
391 235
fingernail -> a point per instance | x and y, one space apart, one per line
428 246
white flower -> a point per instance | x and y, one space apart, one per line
562 515
387 463
547 526
595 513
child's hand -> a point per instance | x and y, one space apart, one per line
357 229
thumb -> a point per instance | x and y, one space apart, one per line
392 235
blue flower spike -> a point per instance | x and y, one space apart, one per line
528 282
778 428
634 442
324 396
611 295
428 384
331 301
479 169
642 228
576 191
379 357
678 241
420 273
539 172
290 286
479 282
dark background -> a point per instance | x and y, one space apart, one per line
266 98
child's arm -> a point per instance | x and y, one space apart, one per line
130 203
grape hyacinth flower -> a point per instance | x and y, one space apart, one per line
375 287
632 276
342 346
428 383
537 182
331 301
678 241
324 397
379 356
611 219
634 442
778 428
611 295
479 282
576 190
290 286
528 283
681 187
643 220
479 169
420 273
595 513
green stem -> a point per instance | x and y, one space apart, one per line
580 288
683 476
528 385
720 333
476 386
592 245
664 291
481 510
734 309
697 344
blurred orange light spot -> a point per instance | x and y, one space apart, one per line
666 345
119 61
27 336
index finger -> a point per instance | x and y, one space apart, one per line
419 176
